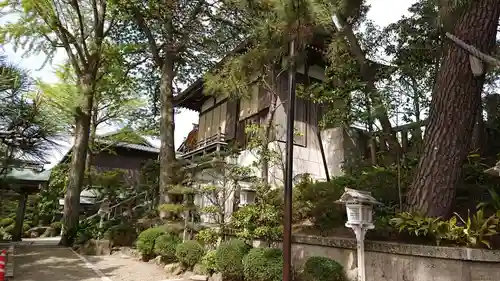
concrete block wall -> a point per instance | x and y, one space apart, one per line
387 261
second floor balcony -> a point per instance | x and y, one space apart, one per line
194 146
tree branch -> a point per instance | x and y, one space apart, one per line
76 6
141 23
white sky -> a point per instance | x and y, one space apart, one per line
382 12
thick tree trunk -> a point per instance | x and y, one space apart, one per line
77 167
456 97
167 150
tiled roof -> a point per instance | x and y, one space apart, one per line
27 174
136 146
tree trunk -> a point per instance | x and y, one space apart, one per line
167 151
268 129
92 145
456 97
77 168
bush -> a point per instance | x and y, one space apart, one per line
121 235
323 269
146 241
209 262
165 246
258 221
263 264
6 222
10 229
173 228
57 226
314 199
317 199
228 259
189 253
208 237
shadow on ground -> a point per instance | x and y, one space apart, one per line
54 263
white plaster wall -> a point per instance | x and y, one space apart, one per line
306 159
207 178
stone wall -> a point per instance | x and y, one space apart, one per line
402 262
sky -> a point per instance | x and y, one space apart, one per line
382 12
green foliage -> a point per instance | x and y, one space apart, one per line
228 259
478 228
208 237
6 222
86 231
121 235
31 129
474 231
166 245
146 241
4 235
257 221
172 208
315 200
323 269
173 228
57 226
10 229
209 261
189 253
48 203
495 199
263 264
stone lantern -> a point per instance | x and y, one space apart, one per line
359 207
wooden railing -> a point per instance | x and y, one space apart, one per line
207 143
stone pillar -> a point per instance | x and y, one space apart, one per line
21 209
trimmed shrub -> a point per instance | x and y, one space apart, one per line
6 222
173 228
208 237
57 226
146 241
228 259
323 269
209 261
121 235
166 245
189 253
263 264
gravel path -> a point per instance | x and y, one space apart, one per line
120 267
50 263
